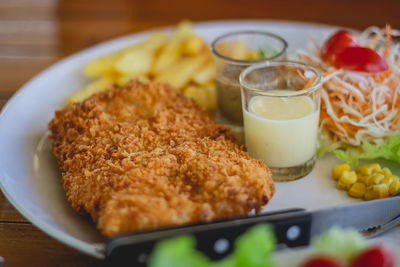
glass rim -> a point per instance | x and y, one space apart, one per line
313 87
246 61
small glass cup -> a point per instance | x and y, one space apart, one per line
281 103
264 46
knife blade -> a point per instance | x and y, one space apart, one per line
361 216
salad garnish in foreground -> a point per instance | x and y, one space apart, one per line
336 247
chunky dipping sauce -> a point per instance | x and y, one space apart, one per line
228 94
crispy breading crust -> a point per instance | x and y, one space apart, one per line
144 156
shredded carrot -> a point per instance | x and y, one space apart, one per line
385 75
327 132
317 46
329 73
357 107
345 88
388 39
310 82
397 118
301 75
335 94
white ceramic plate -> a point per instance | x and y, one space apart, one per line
29 175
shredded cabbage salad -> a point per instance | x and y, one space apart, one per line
360 110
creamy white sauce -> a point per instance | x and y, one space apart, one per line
281 131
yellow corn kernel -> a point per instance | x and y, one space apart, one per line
252 55
338 170
380 190
387 181
343 186
394 187
348 177
368 169
386 171
362 178
357 190
369 195
375 179
394 177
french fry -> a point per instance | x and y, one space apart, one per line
101 66
197 94
153 43
183 61
122 80
204 75
96 86
105 65
180 73
212 95
135 62
193 45
172 51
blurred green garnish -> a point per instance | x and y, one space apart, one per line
340 243
252 249
260 53
266 53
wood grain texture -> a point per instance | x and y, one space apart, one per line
36 33
25 245
8 213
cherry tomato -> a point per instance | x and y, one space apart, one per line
336 43
321 261
376 256
360 59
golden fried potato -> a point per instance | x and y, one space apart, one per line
101 66
193 45
122 80
105 65
96 86
183 60
172 51
135 62
204 96
204 75
180 73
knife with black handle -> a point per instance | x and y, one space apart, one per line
215 239
293 228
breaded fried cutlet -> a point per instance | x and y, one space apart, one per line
143 156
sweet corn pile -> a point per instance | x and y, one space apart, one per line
368 181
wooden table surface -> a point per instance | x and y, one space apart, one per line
36 33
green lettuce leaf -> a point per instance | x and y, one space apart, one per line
178 252
252 249
389 150
326 145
